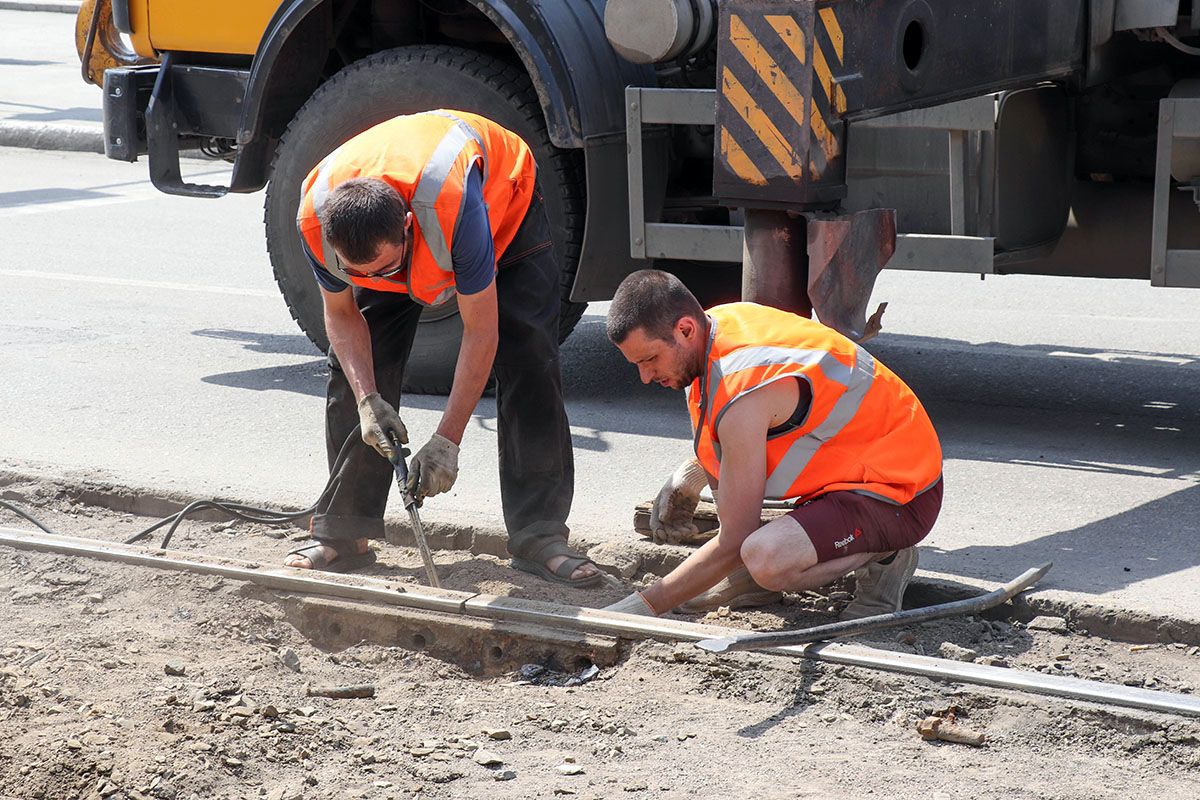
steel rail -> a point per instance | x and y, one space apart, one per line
479 606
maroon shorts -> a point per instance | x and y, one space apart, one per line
844 523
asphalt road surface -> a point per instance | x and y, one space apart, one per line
142 341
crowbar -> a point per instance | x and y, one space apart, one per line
971 605
411 505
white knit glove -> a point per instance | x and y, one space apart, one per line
634 604
673 510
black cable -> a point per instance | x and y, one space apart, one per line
236 510
19 512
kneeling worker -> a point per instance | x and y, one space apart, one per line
411 213
782 408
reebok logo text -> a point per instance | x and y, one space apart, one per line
843 542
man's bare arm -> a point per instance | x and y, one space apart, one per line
350 339
743 436
481 334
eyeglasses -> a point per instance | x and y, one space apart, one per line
401 266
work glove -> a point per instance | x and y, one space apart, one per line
634 604
673 510
434 467
381 425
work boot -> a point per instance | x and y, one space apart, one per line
738 590
879 587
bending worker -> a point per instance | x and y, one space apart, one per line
782 408
408 214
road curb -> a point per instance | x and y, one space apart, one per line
638 558
51 137
63 6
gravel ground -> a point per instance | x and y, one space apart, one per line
122 682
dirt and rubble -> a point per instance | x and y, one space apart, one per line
122 682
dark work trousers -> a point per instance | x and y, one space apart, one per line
537 469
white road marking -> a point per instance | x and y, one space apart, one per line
65 205
1116 358
174 287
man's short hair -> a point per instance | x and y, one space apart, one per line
652 300
361 215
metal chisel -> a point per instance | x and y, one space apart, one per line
411 504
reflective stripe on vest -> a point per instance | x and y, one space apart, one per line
856 380
426 157
429 187
888 448
320 190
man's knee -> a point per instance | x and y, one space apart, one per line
775 557
765 573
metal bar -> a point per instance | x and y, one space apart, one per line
423 545
697 242
637 200
572 617
938 253
1183 269
987 185
1162 193
958 194
976 114
514 609
971 605
352 587
1185 115
999 677
414 517
678 106
918 251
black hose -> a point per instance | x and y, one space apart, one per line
18 511
236 510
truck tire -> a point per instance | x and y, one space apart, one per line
403 81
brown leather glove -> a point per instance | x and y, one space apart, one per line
381 425
435 467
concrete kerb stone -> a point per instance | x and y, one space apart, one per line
69 138
51 137
636 557
42 136
63 6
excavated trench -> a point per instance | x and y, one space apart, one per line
487 632
488 635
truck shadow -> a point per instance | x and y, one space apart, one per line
1126 413
1149 540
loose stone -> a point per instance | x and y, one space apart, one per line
290 660
1046 623
487 758
956 652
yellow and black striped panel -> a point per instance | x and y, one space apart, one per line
778 137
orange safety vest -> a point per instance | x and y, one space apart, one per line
865 431
425 157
